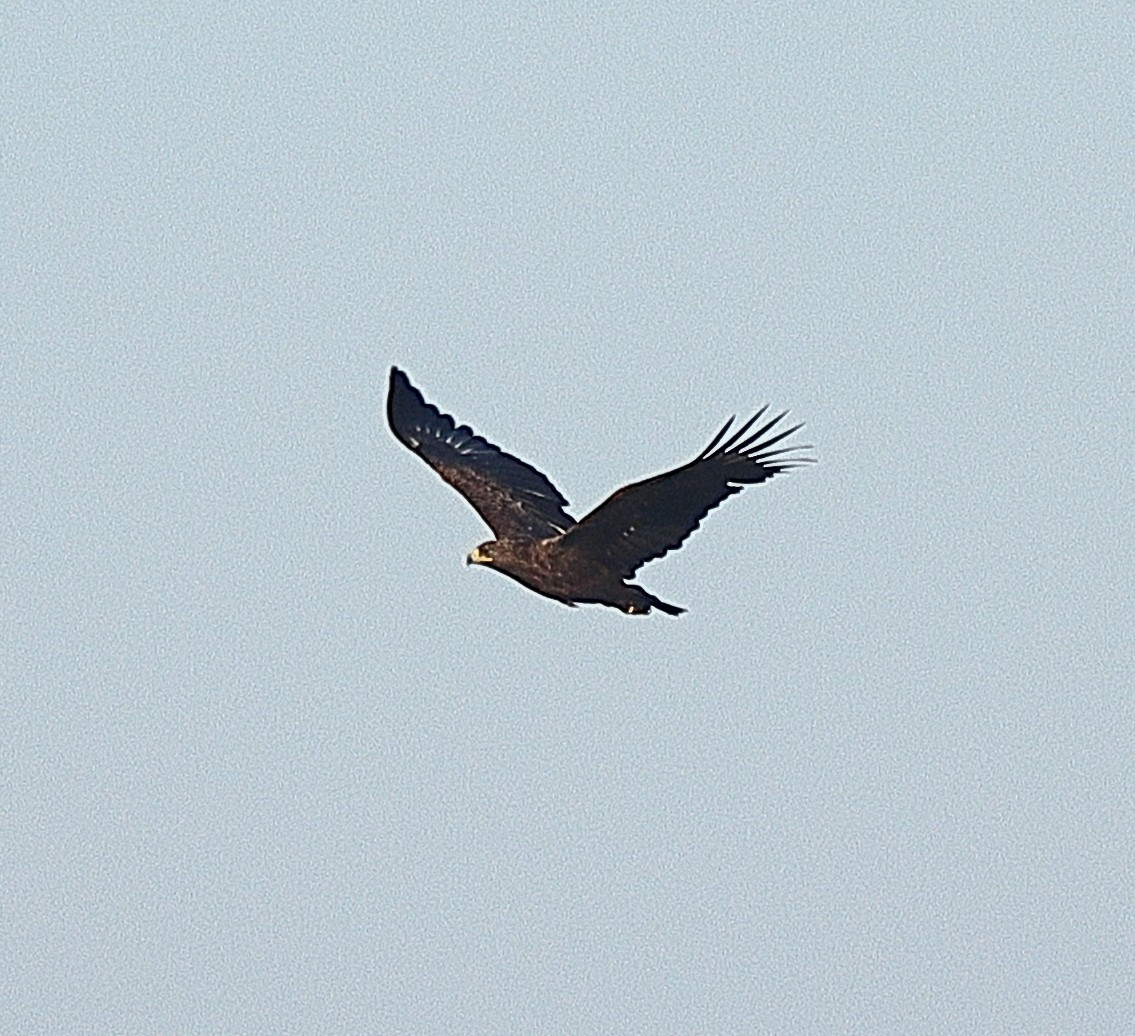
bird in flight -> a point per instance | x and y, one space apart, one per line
589 561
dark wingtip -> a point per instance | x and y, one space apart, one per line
717 438
400 404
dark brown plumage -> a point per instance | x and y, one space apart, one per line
587 562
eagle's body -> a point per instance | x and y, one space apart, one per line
590 561
543 566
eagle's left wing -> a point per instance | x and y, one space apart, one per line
512 497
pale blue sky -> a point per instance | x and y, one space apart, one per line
274 760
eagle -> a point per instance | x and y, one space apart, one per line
589 561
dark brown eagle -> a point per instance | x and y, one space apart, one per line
587 562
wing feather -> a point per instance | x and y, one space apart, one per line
512 497
645 520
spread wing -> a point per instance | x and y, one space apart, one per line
643 521
513 498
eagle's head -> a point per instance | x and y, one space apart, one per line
481 555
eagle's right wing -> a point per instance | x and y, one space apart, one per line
643 521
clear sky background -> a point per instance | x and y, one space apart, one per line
274 760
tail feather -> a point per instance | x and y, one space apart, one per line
662 606
639 602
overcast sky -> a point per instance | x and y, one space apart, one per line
273 759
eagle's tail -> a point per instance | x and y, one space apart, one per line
662 606
641 602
